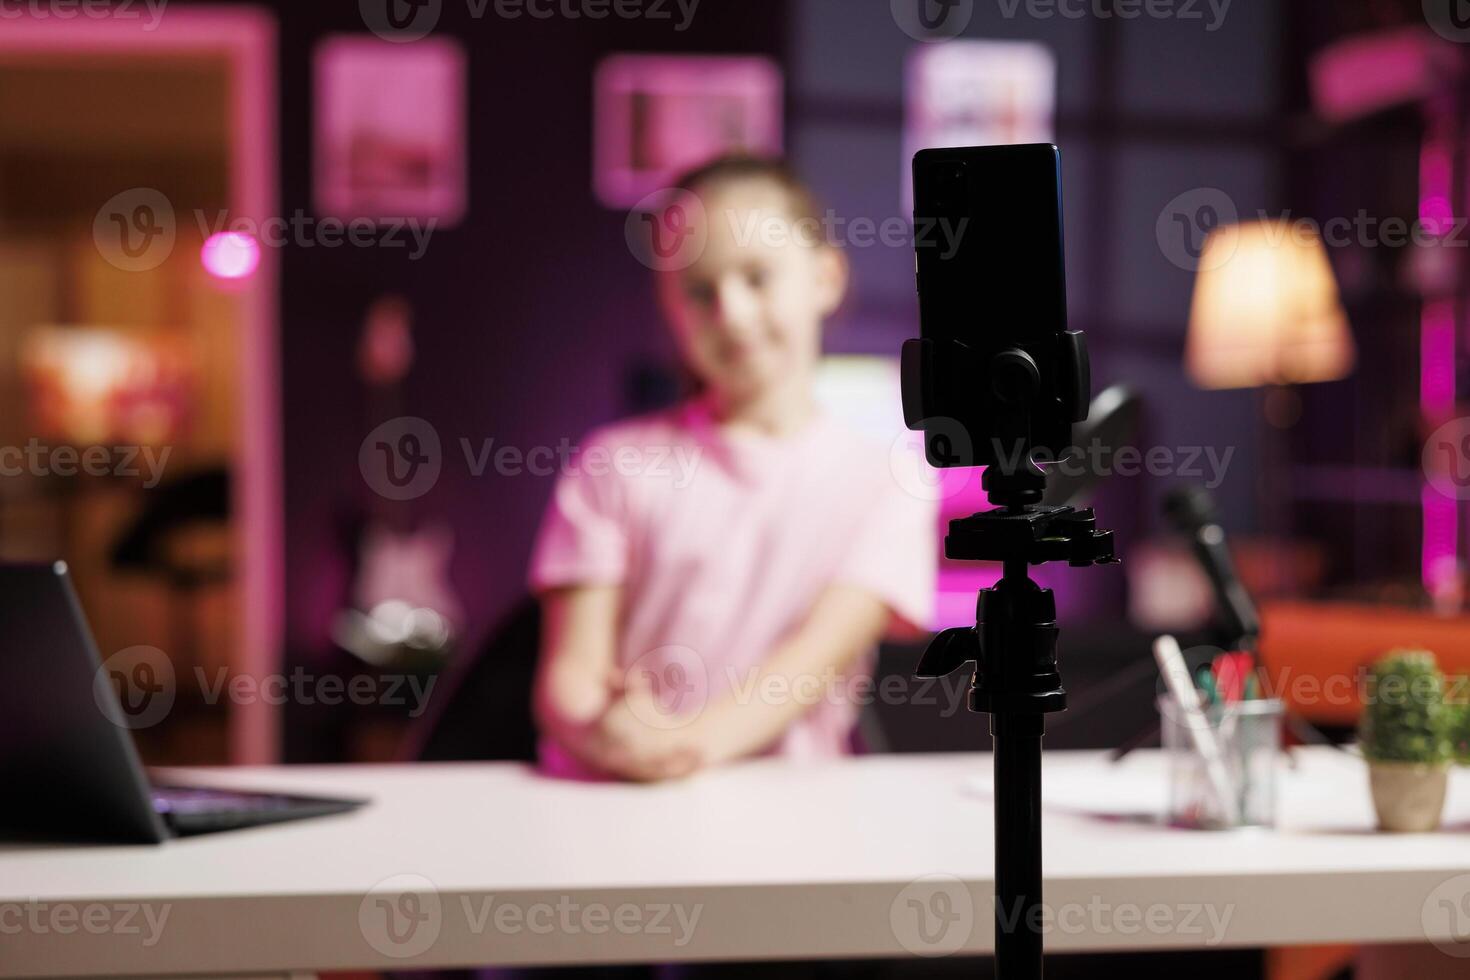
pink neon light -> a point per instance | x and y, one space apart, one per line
1439 556
1437 360
230 255
1441 538
1435 209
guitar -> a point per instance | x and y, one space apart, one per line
404 609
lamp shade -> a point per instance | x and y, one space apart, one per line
1266 310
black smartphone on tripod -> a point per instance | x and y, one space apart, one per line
996 379
991 278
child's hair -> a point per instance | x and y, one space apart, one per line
800 200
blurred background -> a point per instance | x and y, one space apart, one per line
244 247
303 305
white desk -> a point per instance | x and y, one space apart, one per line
766 859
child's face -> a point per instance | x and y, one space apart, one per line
748 312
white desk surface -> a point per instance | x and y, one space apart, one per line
762 860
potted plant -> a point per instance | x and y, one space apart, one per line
1457 701
1405 733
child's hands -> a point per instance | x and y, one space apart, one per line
641 751
624 742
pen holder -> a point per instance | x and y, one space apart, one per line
1248 735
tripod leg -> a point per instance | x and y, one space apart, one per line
1017 845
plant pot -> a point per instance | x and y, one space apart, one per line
1409 796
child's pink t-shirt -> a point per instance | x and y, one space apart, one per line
722 543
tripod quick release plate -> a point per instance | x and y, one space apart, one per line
1036 535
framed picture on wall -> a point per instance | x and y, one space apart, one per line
977 93
656 115
390 129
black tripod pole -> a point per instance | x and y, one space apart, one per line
1017 845
1017 682
1013 646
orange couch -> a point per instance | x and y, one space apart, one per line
1314 652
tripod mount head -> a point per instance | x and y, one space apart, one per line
1014 640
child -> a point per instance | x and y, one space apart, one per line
714 575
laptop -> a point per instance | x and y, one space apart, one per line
68 765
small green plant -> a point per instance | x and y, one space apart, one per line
1457 701
1405 717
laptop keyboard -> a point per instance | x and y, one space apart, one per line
193 800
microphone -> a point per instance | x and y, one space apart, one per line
1191 510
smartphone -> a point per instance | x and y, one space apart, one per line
991 279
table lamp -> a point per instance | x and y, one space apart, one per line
1266 311
1266 314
